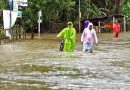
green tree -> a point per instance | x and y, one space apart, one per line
67 10
125 9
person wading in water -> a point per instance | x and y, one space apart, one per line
69 36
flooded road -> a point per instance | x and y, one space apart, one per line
39 65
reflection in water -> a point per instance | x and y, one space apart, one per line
39 65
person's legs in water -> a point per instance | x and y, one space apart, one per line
84 47
116 36
89 48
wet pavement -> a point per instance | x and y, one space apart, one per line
39 65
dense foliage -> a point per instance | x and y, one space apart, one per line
67 10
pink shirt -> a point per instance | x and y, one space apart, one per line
89 36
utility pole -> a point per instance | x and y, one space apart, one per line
117 2
39 21
79 17
88 9
124 23
10 5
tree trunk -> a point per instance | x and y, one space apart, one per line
32 33
117 2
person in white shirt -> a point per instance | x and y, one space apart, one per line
88 38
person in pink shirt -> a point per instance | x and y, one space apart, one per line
116 29
88 38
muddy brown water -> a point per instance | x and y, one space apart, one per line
39 65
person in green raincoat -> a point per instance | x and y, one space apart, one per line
69 36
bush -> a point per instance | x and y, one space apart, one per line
2 34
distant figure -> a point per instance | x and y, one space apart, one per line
83 34
86 24
88 38
116 29
69 36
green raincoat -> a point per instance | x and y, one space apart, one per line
69 36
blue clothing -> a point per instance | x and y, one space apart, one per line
86 24
88 47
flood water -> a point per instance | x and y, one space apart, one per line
39 65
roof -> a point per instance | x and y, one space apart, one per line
100 18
